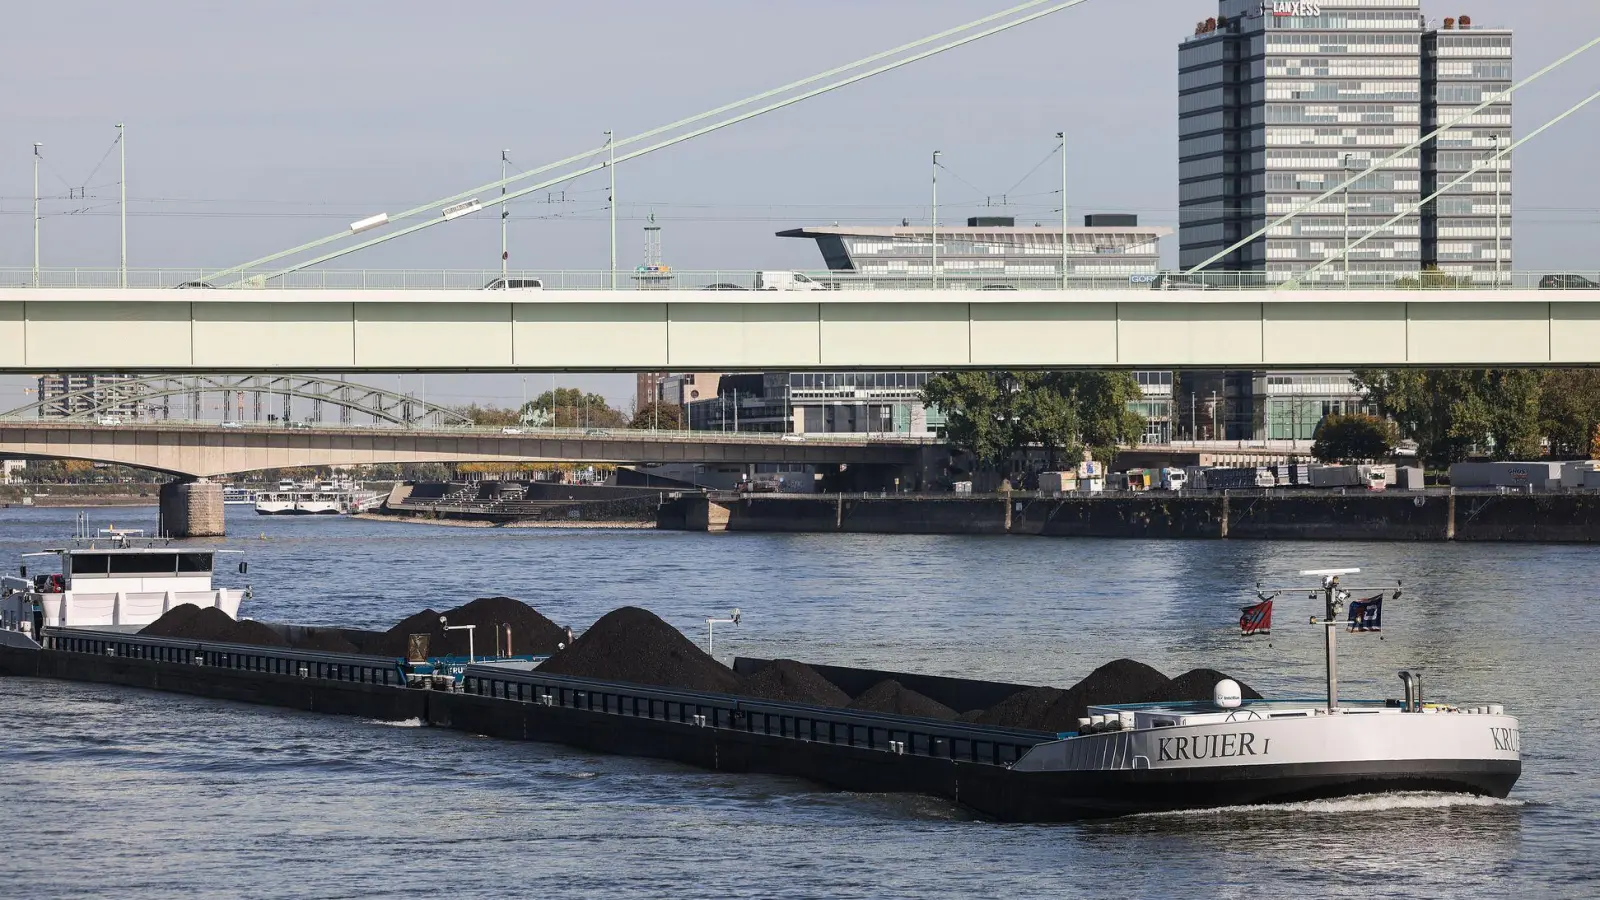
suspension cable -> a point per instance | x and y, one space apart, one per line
578 157
1295 282
707 129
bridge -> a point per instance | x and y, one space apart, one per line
338 330
206 450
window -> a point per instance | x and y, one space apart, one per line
90 563
194 562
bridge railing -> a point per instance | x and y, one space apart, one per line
745 280
508 432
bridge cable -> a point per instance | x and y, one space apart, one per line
1401 152
1295 281
1057 7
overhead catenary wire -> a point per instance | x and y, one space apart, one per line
1436 194
1055 7
1399 153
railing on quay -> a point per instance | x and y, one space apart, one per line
985 745
824 280
349 668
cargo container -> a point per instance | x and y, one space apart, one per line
1239 479
1540 476
1058 482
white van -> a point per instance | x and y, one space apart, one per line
787 281
515 284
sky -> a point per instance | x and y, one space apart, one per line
254 127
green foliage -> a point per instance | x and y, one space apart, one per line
573 408
993 415
1354 438
1569 411
1452 412
662 416
1431 279
487 415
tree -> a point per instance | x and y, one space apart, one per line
1354 438
1451 412
995 415
665 416
488 415
572 408
1569 412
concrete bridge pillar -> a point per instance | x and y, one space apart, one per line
192 509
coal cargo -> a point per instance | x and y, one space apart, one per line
634 645
531 632
895 698
787 681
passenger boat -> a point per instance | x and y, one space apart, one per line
118 580
234 495
308 499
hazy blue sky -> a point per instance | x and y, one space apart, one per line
255 126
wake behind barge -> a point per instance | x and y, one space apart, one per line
1143 758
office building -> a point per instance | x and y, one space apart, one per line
993 250
818 403
1468 227
75 394
1281 101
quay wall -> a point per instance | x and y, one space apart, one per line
1379 516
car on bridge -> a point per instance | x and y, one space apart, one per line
1567 283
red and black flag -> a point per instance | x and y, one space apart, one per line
1256 619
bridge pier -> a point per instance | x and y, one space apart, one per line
192 509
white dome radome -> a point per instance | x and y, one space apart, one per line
1226 694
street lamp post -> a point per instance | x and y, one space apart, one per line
505 213
1498 168
1063 136
122 206
934 271
611 201
36 146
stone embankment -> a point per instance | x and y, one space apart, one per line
1260 515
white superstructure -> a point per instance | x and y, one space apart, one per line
109 582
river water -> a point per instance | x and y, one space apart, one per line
119 792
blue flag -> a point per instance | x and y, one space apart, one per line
1367 615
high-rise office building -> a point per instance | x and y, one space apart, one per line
1281 101
1469 227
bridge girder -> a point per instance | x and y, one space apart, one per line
107 397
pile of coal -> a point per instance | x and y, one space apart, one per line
531 632
324 640
891 696
634 645
1199 684
787 681
1117 682
195 623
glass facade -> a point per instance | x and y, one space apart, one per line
978 253
1275 108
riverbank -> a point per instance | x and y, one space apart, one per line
478 523
58 495
1254 515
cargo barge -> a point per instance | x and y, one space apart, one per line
80 625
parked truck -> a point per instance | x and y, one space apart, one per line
1239 479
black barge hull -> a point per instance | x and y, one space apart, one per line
967 765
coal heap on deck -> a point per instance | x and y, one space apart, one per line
891 696
196 623
787 681
634 645
531 632
1116 682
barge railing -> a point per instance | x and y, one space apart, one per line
345 667
903 735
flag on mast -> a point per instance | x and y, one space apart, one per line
1256 619
1366 615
